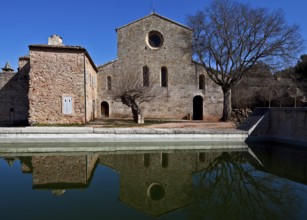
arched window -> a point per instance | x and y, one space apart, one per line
164 77
109 82
145 76
201 81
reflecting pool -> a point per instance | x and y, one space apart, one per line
262 182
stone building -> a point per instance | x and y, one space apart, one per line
160 50
60 84
55 84
13 94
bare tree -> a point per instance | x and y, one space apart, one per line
230 37
133 89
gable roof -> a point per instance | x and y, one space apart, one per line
159 16
103 65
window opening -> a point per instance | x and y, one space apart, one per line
164 77
201 81
109 82
145 76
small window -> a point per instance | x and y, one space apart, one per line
109 82
201 81
145 76
67 105
164 77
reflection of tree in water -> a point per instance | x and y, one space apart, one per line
230 188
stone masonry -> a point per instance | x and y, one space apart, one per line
175 55
60 84
59 71
13 95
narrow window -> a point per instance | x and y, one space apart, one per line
164 77
67 105
145 76
146 160
201 81
109 82
164 160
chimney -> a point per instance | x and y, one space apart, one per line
55 40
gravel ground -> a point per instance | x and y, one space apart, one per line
217 125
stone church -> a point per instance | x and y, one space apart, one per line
60 84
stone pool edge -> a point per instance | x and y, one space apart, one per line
109 135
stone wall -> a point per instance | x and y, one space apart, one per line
134 52
14 87
288 125
91 91
53 170
56 72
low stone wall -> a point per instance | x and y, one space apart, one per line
287 125
113 139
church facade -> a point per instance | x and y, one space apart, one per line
60 84
160 50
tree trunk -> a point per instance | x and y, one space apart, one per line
136 110
137 113
226 104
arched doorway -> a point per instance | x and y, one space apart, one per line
104 110
198 108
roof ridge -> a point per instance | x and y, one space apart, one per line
157 15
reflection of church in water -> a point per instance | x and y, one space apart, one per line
155 183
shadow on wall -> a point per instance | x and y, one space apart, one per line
14 87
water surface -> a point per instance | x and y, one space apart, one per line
263 182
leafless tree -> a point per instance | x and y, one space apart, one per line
230 37
133 89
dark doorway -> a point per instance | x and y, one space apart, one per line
104 110
198 108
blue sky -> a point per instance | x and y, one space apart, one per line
92 23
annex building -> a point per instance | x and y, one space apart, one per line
60 84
